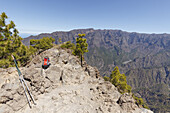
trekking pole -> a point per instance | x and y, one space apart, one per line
25 91
29 92
41 68
23 82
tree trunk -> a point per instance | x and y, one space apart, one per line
81 61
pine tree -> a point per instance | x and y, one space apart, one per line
81 47
42 44
10 43
119 80
6 40
68 45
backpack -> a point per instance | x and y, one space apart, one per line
46 63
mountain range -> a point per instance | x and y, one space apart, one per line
144 58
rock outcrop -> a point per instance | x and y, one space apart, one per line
64 87
144 58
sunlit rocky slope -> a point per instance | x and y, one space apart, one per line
65 87
144 58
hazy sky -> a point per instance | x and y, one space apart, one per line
37 16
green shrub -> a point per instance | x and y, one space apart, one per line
139 101
106 78
119 80
42 44
68 45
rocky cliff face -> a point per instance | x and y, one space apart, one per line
144 58
65 87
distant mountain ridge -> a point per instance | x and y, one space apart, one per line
144 58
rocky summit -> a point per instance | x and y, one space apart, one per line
143 58
64 87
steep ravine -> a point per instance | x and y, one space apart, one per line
65 87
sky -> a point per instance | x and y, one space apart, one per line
47 16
